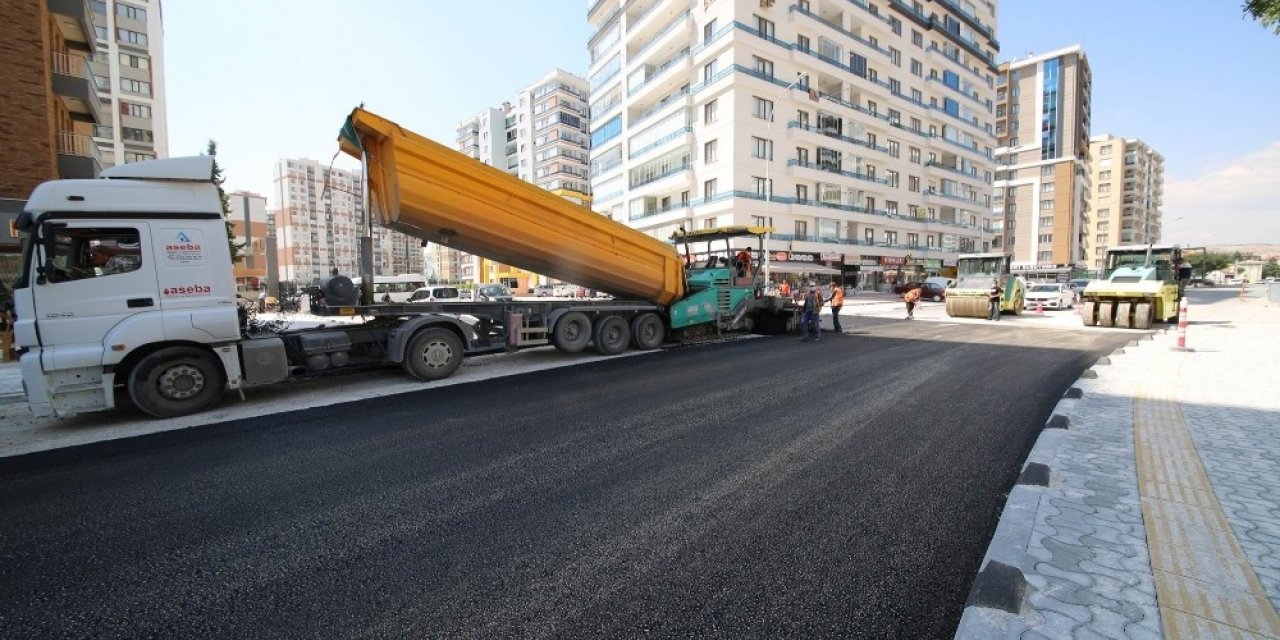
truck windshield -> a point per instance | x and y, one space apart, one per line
978 272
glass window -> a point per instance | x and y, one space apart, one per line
709 112
709 152
94 253
762 108
761 148
130 12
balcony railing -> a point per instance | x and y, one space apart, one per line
674 135
839 29
659 176
69 65
831 169
671 26
657 73
796 125
78 144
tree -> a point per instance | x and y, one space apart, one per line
237 248
1266 12
1271 269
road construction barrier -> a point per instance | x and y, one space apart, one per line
1182 324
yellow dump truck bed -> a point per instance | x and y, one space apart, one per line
429 191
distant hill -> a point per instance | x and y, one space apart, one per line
1264 251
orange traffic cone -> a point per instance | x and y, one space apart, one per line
1039 308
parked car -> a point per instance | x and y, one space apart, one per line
1079 284
903 287
1051 296
493 293
933 291
544 291
435 294
1200 282
941 281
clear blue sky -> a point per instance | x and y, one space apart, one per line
270 79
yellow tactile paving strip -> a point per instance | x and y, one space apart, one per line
1205 587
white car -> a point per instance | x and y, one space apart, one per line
1050 296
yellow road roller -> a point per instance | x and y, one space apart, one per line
967 298
1141 288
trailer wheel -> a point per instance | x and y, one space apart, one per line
1107 314
612 335
176 381
572 332
647 331
433 354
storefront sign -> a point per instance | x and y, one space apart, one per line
892 261
933 263
950 242
948 262
833 258
870 261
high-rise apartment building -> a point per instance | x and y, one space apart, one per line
48 106
1128 191
253 228
863 132
128 69
541 137
1042 189
318 229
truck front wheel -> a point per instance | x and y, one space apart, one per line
433 354
176 381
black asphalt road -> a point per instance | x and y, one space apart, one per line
754 488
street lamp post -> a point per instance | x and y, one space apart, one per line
768 180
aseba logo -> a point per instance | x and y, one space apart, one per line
182 237
189 290
183 249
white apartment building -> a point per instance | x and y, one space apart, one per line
1128 179
541 137
319 229
869 123
128 70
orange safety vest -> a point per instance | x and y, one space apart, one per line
837 297
785 289
912 295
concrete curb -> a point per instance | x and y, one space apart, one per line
989 612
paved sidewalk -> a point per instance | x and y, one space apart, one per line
1150 506
10 383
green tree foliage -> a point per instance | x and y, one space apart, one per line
1266 12
1271 269
237 248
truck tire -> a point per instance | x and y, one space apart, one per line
1088 313
1142 315
433 354
572 332
1106 314
647 331
176 381
612 334
1124 315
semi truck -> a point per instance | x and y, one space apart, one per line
126 290
967 296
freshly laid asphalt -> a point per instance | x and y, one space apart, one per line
753 488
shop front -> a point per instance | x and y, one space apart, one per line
800 268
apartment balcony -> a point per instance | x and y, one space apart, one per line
78 156
75 23
659 109
681 136
820 136
932 194
950 168
834 23
73 84
822 171
646 83
600 12
658 31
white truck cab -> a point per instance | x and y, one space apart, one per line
129 275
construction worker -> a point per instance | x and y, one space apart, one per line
837 301
810 323
993 300
743 260
911 297
784 289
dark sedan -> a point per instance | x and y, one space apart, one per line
928 290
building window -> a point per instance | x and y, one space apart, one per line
891 177
1048 187
1105 175
914 154
869 236
891 238
709 188
1046 205
135 86
762 186
913 184
709 112
135 62
893 148
802 156
763 66
802 230
709 151
802 43
1104 187
1103 214
1046 223
765 27
891 206
136 135
131 37
135 110
895 57
709 71
802 192
913 239
708 30
761 108
917 38
1045 256
1046 171
917 68
761 148
132 13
